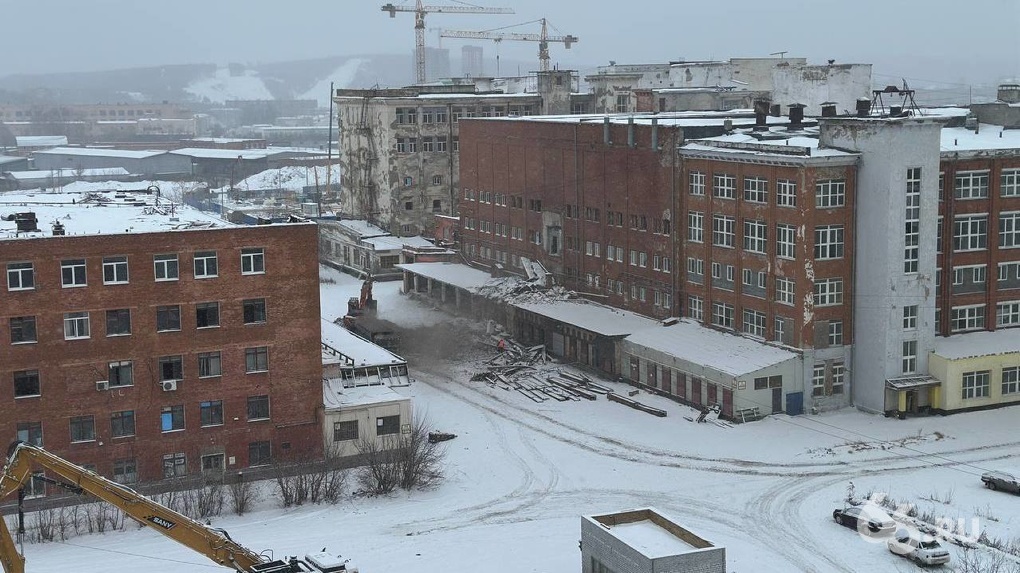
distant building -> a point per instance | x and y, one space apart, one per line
437 63
472 61
361 248
149 163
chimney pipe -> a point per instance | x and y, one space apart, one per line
776 110
796 115
828 109
761 111
605 131
895 110
630 131
655 133
863 107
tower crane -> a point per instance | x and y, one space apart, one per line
542 38
420 10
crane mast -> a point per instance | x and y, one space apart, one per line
420 10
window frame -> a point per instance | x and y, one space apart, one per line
257 406
250 311
210 413
253 261
203 315
30 378
165 318
69 271
256 359
115 314
206 360
86 429
21 327
115 270
209 262
162 265
77 325
19 269
342 433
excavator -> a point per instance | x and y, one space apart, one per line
22 459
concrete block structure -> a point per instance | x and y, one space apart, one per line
150 341
645 541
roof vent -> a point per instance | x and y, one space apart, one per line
863 107
26 222
58 229
829 109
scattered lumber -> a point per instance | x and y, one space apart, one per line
614 397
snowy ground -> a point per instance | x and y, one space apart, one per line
520 474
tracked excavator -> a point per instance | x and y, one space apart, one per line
23 460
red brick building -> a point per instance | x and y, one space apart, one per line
160 354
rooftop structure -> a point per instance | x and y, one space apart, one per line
645 541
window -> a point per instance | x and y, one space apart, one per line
970 233
696 307
967 318
345 431
784 291
755 239
971 185
441 147
748 277
829 242
909 356
23 329
1009 183
786 193
259 454
175 465
256 359
779 329
835 333
254 310
1011 380
168 318
828 292
838 377
72 273
115 270
171 368
818 380
207 314
83 429
125 471
912 219
26 383
697 181
205 264
166 267
258 408
122 424
622 102
30 433
722 314
20 276
213 463
211 413
118 322
756 189
76 325
754 323
1008 272
830 193
171 418
722 231
387 425
695 227
785 236
910 317
724 186
209 365
253 261
120 374
1007 314
975 384
438 179
407 115
1009 230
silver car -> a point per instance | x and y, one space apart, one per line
1001 480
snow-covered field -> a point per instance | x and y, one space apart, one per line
520 474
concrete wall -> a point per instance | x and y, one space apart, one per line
812 85
951 372
599 544
366 417
889 148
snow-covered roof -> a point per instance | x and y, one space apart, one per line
40 140
727 353
454 274
208 153
593 317
101 212
739 117
290 177
987 138
57 173
10 159
363 352
975 344
100 152
796 143
335 396
363 228
392 243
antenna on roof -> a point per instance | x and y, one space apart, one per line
782 55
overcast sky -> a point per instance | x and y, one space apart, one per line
943 40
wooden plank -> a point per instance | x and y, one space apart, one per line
572 389
613 396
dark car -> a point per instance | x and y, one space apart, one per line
1001 480
868 520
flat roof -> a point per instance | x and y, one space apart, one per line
593 317
39 140
211 153
102 213
66 172
987 137
975 344
650 533
335 396
391 243
363 228
100 152
454 274
739 118
361 351
801 142
723 352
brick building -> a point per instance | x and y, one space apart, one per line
178 346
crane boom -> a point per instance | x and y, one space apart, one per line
419 11
211 542
542 38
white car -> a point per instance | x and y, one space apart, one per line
919 548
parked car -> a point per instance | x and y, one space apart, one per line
1001 480
866 519
919 548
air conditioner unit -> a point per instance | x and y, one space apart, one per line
102 385
169 385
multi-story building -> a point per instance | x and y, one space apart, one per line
837 241
147 340
399 147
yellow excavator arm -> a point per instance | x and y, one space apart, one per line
211 542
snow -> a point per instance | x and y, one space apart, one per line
223 86
396 243
40 140
342 77
100 152
454 274
363 228
291 178
648 538
987 138
973 344
335 396
520 475
211 153
727 353
362 351
58 173
597 318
